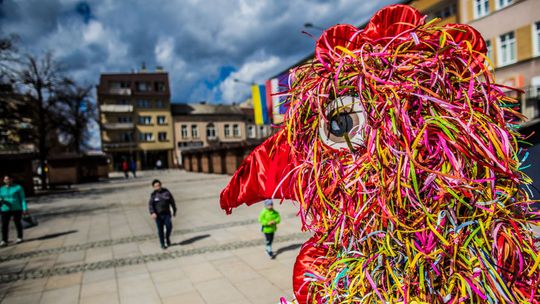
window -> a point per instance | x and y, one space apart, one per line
160 104
236 130
161 120
262 131
162 136
536 38
159 86
210 131
127 136
146 136
507 49
143 86
183 131
481 8
145 120
123 102
227 130
194 131
119 85
503 3
446 12
252 133
489 53
143 103
125 119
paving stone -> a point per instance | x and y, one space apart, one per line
25 298
173 287
201 272
64 281
68 295
192 297
102 298
98 288
219 291
259 290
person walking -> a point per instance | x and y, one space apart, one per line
160 204
133 167
269 218
13 203
125 168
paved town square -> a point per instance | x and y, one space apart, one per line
96 243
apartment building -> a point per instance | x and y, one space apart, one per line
446 10
511 29
135 118
202 125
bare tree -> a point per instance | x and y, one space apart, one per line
78 112
39 78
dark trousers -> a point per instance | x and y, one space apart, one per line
269 238
6 216
164 221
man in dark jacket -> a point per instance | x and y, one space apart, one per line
160 204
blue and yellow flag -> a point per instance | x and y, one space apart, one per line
260 107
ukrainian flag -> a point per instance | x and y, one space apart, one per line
260 104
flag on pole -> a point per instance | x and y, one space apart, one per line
260 107
279 87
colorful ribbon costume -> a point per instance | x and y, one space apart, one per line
403 155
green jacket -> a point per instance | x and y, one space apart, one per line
265 217
12 198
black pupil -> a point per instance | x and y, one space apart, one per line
340 124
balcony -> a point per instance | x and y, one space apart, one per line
117 145
120 91
119 126
116 108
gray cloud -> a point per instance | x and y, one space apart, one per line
203 44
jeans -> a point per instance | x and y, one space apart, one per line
164 221
269 239
6 216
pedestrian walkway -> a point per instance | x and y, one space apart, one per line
97 244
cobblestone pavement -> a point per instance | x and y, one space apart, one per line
97 244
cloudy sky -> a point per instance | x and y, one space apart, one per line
203 45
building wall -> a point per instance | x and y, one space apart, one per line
519 18
202 139
130 104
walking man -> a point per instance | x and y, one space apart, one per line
269 218
13 203
160 204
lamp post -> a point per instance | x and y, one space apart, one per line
311 25
244 82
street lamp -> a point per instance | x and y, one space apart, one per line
311 25
243 81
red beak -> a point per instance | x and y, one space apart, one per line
264 174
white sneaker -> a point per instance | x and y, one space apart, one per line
18 241
3 244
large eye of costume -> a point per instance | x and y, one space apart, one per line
345 120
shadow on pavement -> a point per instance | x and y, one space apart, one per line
286 248
51 236
191 240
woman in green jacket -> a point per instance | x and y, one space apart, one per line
269 218
13 205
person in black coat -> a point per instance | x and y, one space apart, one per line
160 204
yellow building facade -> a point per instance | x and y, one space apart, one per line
135 119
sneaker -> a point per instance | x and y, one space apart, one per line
270 253
3 244
168 242
163 247
18 241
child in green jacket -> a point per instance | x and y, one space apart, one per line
269 218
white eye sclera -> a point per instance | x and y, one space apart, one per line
345 115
